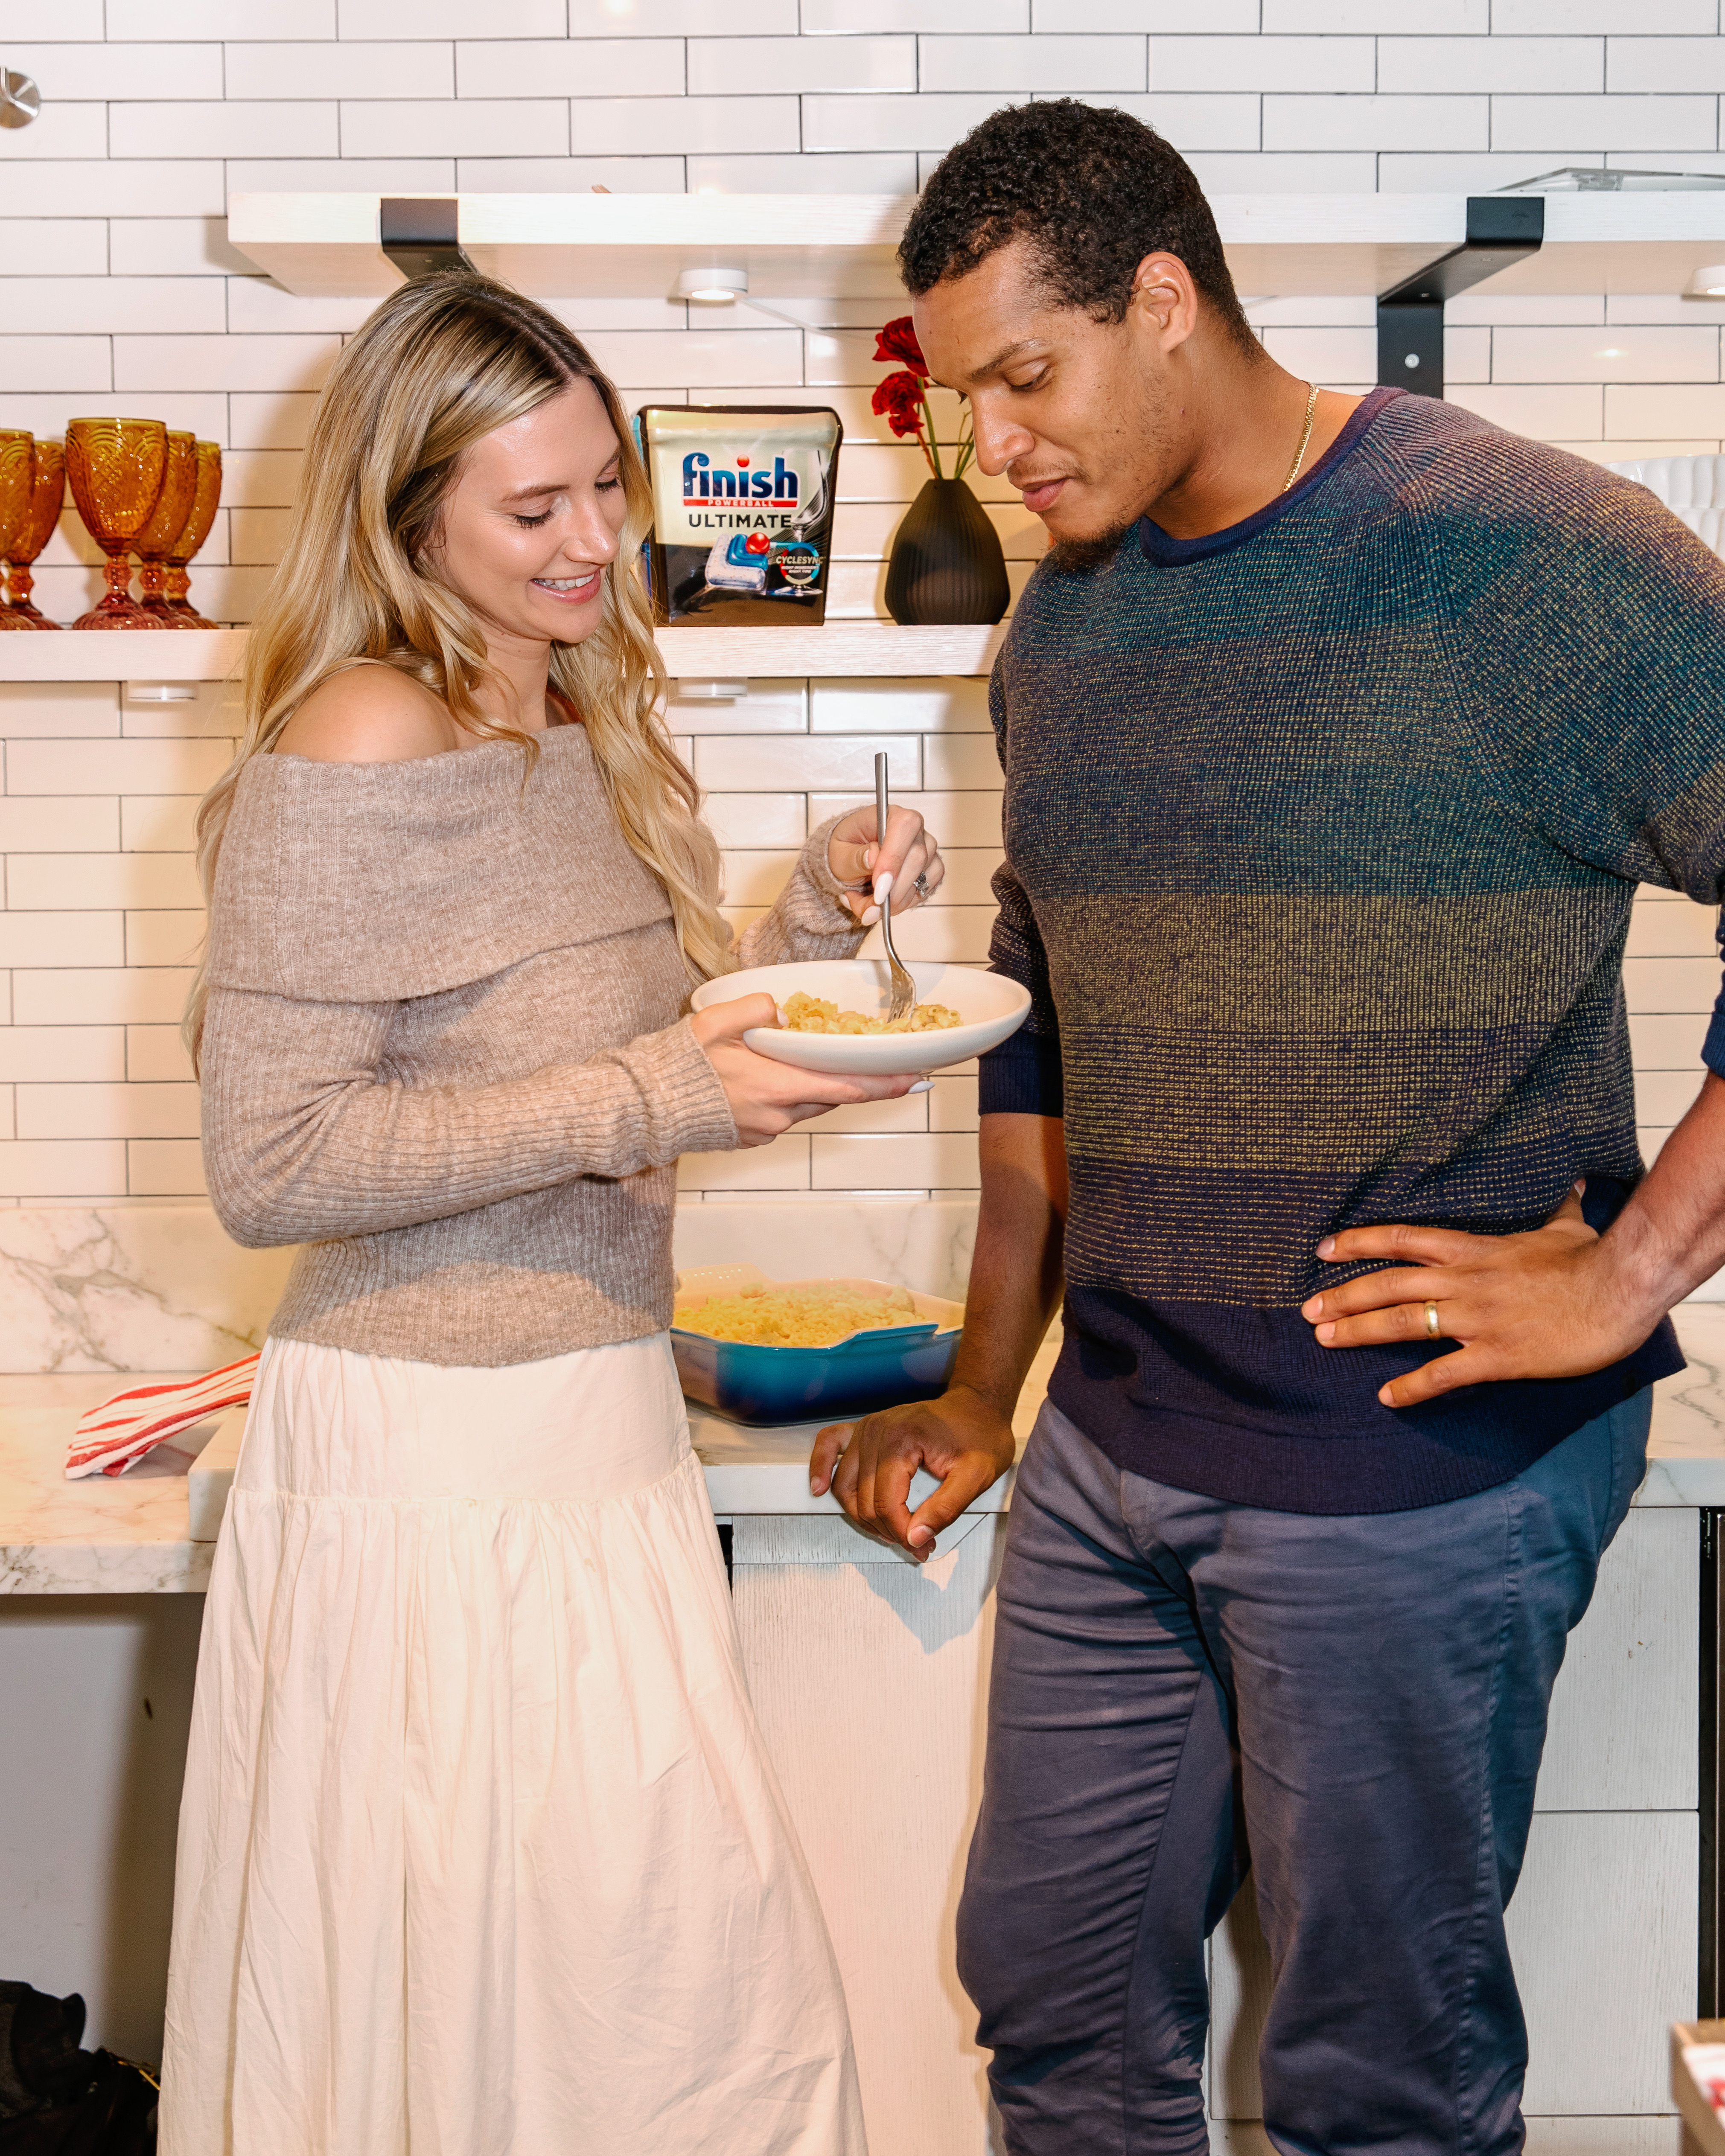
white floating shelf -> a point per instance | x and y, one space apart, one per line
591 246
854 649
588 246
1307 246
119 654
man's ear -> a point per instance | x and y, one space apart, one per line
1164 300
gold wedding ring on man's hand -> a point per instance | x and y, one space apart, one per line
1434 1330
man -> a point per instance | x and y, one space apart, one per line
1337 735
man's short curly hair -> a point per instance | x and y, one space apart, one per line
1092 190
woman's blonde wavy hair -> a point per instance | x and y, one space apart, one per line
436 366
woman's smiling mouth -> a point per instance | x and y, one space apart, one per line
568 588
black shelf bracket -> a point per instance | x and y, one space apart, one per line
1501 229
420 234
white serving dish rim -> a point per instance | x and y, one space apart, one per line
859 984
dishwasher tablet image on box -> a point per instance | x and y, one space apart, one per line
742 510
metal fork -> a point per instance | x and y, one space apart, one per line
904 989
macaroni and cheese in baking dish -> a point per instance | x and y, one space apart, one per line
798 1316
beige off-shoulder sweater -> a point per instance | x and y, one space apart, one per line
445 1051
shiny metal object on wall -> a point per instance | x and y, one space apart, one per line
20 101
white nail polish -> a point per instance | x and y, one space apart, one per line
870 915
921 1086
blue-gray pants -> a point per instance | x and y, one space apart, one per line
1362 1701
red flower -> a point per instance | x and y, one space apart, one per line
899 400
898 342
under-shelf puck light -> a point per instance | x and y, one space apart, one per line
716 288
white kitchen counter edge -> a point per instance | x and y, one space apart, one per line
136 1536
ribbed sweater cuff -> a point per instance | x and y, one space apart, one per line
812 902
818 869
1022 1077
1712 1048
809 918
688 1102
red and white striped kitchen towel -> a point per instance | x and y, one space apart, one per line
112 1437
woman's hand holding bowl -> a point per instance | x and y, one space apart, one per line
767 1097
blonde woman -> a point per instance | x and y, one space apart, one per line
478 1854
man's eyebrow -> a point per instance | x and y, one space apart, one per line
992 365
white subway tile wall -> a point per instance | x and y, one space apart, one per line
119 293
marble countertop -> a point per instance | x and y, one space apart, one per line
131 1536
152 1532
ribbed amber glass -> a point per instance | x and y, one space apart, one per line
47 492
173 505
116 468
180 612
14 486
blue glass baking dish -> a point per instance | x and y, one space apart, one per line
880 1368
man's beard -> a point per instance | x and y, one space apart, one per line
1079 556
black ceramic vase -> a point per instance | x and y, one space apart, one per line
946 563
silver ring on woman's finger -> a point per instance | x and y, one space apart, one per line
920 884
1434 1330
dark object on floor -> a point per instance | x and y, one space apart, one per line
56 2100
946 563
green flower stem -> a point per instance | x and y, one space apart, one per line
963 449
930 447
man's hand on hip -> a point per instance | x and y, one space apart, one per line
869 1465
1545 1304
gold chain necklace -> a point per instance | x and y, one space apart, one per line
1306 436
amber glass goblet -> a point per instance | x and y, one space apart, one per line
116 468
168 520
14 485
47 492
181 612
15 477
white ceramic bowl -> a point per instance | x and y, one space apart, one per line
990 1006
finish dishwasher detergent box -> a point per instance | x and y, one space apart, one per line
743 512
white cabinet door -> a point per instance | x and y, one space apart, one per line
1603 1929
1622 1735
1606 2137
870 1677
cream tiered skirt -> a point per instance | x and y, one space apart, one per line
479 1852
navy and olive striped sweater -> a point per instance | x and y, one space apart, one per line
1322 837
